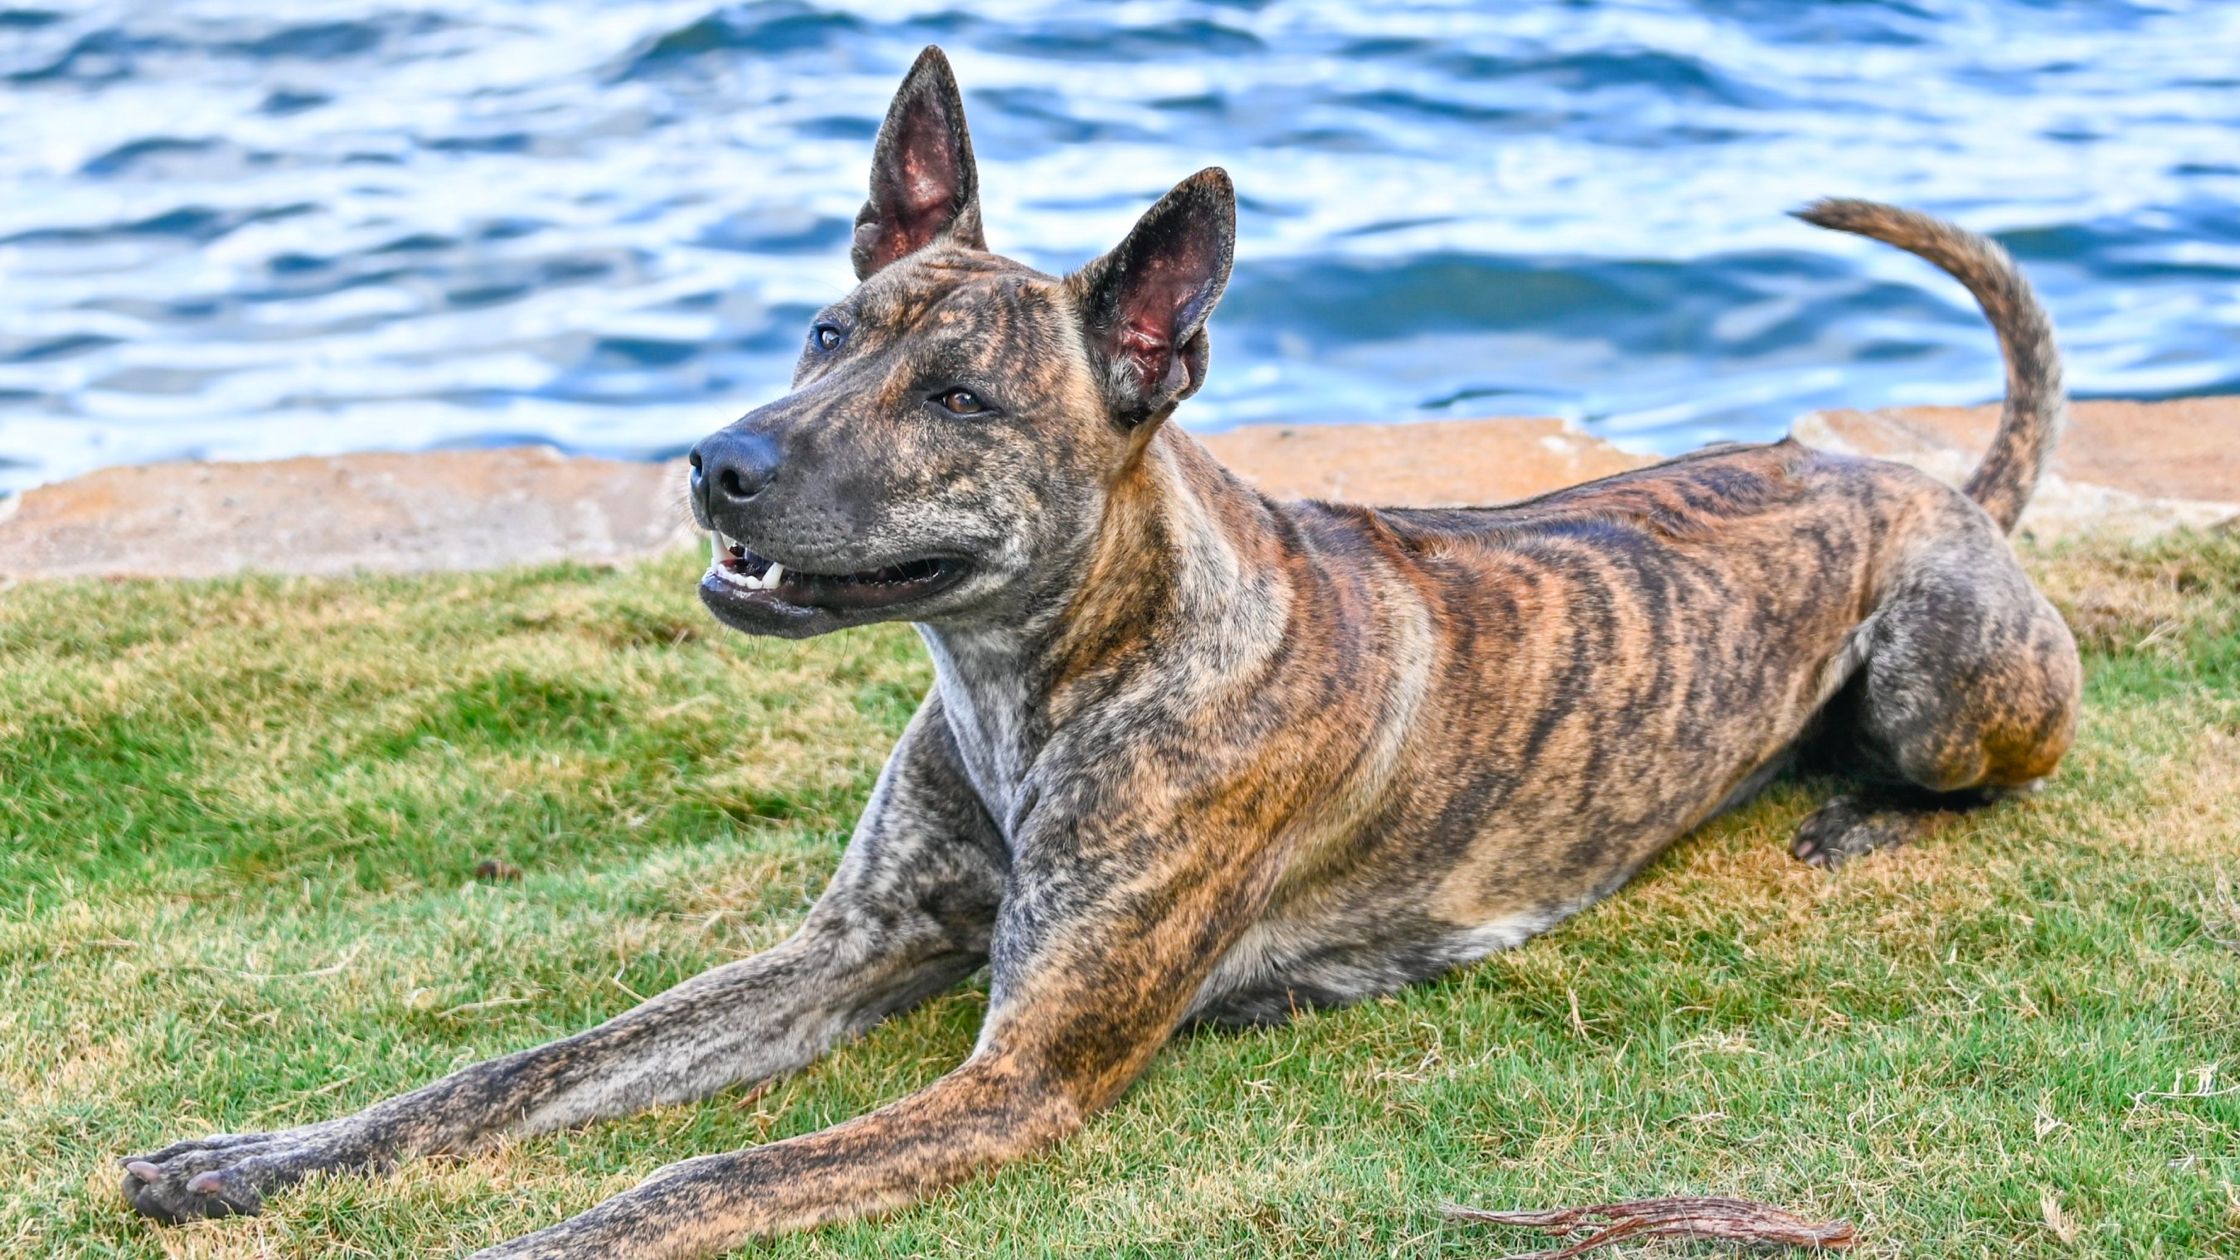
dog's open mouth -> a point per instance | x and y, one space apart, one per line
741 572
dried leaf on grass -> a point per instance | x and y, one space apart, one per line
1736 1220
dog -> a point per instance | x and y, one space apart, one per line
1193 756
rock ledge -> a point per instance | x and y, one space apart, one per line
2130 468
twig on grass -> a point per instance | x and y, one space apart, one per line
756 1094
285 1103
486 1004
335 968
2204 1086
616 981
1737 1220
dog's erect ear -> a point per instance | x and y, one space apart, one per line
923 184
1145 304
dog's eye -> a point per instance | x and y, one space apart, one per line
827 336
962 402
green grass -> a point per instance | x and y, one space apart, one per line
239 823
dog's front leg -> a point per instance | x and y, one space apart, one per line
993 1108
1105 935
908 913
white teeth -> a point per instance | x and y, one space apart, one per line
719 565
743 579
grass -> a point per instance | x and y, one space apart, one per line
239 823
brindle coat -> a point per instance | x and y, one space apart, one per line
1193 754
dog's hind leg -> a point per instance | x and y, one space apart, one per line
908 913
1970 680
1875 817
1968 690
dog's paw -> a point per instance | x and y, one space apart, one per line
228 1174
1847 827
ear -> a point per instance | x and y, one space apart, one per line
923 184
1145 304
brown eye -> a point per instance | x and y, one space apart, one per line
961 402
826 336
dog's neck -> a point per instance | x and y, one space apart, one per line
1173 565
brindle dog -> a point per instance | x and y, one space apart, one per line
1195 755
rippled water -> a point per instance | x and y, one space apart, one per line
235 229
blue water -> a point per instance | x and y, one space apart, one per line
239 229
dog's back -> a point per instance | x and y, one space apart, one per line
1617 661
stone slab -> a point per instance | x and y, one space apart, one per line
2135 468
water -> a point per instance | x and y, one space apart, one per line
239 229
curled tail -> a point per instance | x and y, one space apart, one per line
2036 405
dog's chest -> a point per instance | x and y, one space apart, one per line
988 705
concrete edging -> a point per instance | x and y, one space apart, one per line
2134 469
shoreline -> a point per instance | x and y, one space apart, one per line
2134 469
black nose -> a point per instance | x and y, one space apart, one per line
729 468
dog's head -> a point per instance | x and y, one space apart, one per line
957 420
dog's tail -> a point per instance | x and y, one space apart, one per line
2036 404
